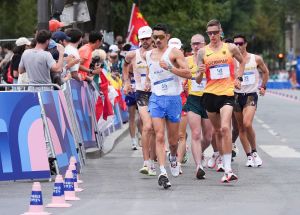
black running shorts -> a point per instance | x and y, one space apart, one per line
213 103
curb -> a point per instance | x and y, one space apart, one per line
285 95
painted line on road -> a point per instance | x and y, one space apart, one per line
280 151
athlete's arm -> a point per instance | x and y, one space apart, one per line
201 65
239 57
126 67
183 70
265 73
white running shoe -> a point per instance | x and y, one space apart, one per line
227 177
144 170
152 171
250 162
211 163
163 180
257 160
174 168
220 165
204 161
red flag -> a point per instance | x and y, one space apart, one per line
105 106
136 21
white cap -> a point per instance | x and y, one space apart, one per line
22 41
144 32
113 48
175 42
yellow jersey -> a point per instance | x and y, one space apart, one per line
219 71
194 88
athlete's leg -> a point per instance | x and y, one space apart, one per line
195 125
248 115
242 132
207 132
159 129
182 138
132 125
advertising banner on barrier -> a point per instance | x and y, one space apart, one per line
59 124
23 153
84 116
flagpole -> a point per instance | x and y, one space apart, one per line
129 35
132 9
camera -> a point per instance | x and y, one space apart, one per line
96 62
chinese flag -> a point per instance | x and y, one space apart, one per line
136 21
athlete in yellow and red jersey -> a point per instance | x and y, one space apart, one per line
217 61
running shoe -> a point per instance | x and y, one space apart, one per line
185 157
144 170
211 163
134 147
250 162
200 173
204 161
227 177
152 171
163 180
174 168
220 165
257 160
235 150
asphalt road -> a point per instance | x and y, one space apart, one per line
114 186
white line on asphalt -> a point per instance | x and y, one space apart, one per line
265 125
280 151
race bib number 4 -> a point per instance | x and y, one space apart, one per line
219 71
198 87
248 78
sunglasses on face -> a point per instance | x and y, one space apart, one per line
210 33
197 43
160 37
239 43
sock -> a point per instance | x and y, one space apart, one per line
152 163
133 141
162 170
173 158
227 162
254 150
146 163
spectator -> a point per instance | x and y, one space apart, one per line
55 25
21 44
119 42
61 38
75 38
7 49
85 53
37 62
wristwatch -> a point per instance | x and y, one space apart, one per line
170 67
91 71
264 87
240 79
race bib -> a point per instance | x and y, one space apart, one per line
165 85
219 71
248 78
198 87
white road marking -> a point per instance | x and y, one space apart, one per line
280 151
265 125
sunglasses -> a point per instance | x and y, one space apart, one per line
160 37
239 43
210 33
196 43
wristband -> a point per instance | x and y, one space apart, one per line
264 87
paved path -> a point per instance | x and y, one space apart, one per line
114 186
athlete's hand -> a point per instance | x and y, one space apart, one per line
127 88
163 64
147 85
201 69
262 91
237 84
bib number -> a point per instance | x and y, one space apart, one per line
198 87
248 78
219 71
164 85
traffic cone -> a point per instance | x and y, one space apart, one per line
36 201
69 187
58 196
72 167
74 161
